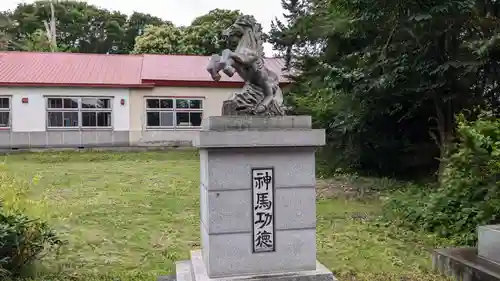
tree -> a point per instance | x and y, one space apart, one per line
36 42
81 27
39 40
6 24
136 25
204 35
86 28
282 34
391 76
50 29
164 39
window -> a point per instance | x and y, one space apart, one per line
85 112
173 113
4 112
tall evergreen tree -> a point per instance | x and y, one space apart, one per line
283 34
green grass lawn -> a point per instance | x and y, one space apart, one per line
133 215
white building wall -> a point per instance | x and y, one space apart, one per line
27 117
31 116
121 113
140 135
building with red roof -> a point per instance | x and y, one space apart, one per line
85 100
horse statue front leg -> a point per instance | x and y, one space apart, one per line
228 62
218 63
214 66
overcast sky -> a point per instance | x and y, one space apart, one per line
182 12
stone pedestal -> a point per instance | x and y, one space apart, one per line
257 200
488 246
481 263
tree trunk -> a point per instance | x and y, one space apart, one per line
445 128
50 29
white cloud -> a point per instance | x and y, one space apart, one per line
182 12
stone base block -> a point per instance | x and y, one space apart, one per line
255 131
488 246
195 270
463 264
231 254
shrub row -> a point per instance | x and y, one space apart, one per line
469 191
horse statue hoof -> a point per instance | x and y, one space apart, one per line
216 77
229 71
260 109
229 108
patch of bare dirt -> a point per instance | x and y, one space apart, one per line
342 188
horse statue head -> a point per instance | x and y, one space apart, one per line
247 32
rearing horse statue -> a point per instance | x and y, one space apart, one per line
261 94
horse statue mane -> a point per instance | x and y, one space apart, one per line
252 35
261 94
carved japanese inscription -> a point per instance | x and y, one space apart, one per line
263 210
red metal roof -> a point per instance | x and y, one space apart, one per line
70 68
100 70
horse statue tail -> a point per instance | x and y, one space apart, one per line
276 107
241 103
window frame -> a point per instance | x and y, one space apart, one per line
9 111
79 110
174 111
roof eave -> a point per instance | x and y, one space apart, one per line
199 83
146 83
75 85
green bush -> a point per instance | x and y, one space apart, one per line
23 239
469 191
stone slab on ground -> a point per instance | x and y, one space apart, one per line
488 246
194 270
464 264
